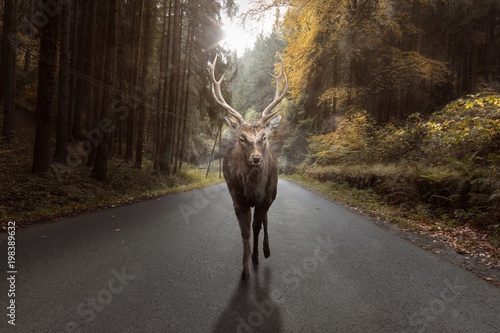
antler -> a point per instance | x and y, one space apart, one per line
266 115
218 96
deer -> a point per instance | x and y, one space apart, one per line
250 167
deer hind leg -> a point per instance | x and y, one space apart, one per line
260 217
244 216
267 251
256 226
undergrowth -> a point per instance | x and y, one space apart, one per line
436 172
64 190
26 198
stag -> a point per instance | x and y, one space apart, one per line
251 168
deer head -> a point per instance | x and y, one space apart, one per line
252 136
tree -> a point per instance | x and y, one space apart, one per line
134 88
361 54
27 61
8 68
166 159
79 81
146 54
105 124
45 93
90 57
62 136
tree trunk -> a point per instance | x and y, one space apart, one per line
180 117
45 93
120 57
9 68
81 98
163 160
63 103
144 79
134 88
160 114
98 93
101 161
90 69
27 62
185 113
174 85
76 34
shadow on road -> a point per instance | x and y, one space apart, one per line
251 309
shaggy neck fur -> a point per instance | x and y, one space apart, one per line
252 178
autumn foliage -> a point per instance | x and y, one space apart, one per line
444 166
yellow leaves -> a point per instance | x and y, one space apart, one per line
411 66
308 27
351 137
469 104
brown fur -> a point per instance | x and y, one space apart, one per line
250 167
251 185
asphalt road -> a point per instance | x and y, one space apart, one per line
173 264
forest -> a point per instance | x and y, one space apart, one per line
396 100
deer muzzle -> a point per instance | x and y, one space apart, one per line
256 159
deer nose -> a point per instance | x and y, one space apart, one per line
256 159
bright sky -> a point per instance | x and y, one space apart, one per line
239 37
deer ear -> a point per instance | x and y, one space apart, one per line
232 123
273 123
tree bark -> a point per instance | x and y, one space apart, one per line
9 68
163 160
27 62
144 79
160 114
134 88
76 34
178 141
90 57
174 85
98 92
80 98
105 125
63 103
185 113
45 93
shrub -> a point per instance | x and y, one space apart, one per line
466 127
352 140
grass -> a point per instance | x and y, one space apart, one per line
25 198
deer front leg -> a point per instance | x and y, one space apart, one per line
244 216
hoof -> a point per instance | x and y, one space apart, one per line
267 253
255 260
245 275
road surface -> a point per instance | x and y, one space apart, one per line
172 264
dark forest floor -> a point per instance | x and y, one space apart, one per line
64 191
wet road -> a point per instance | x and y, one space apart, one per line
172 264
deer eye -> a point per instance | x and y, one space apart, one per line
243 140
264 138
